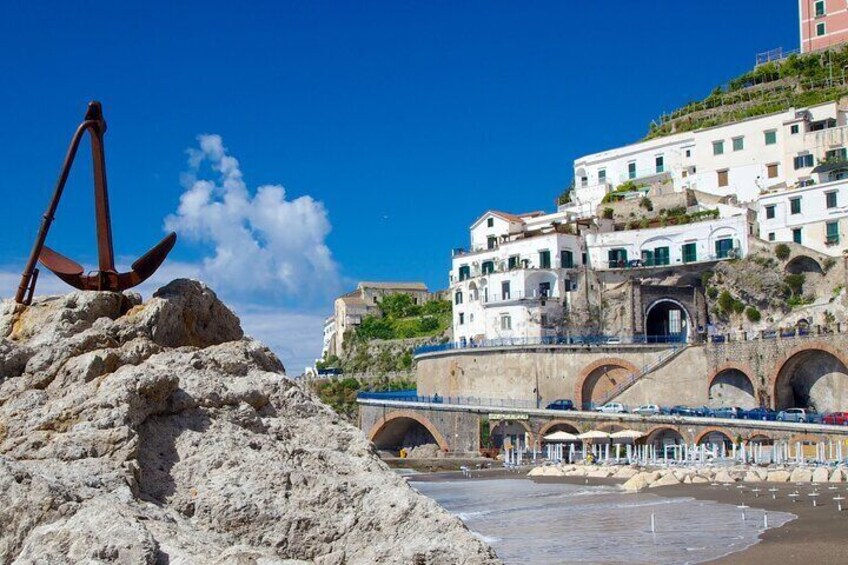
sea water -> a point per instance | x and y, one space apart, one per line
527 522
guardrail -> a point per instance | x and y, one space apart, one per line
573 340
413 396
664 358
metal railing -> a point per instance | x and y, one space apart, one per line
413 396
631 379
569 340
780 333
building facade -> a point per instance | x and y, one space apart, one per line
823 24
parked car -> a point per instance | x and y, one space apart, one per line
690 411
761 413
648 410
561 404
797 415
613 408
728 412
614 341
835 419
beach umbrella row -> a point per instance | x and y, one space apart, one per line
593 435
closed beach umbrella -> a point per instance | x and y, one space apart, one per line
627 435
561 436
594 435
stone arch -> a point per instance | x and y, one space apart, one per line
493 428
600 377
556 425
656 437
760 437
611 428
395 426
801 264
813 374
713 430
660 308
732 385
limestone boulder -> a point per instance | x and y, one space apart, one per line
699 480
752 477
821 475
778 476
158 432
636 483
837 476
626 473
801 475
665 481
724 477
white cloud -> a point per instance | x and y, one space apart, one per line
259 242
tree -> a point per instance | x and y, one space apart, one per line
795 283
781 251
399 306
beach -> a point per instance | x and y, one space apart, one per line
816 534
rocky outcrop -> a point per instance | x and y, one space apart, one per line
158 432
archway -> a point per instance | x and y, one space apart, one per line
816 377
405 429
760 439
597 379
715 438
801 264
732 387
667 320
664 441
556 426
516 433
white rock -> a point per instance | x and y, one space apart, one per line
724 477
636 483
698 480
800 475
625 473
779 476
836 476
665 481
752 477
821 475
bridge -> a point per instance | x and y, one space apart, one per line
780 369
457 428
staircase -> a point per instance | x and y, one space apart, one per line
630 380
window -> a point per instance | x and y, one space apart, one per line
457 297
796 235
374 298
488 267
461 318
491 242
631 170
820 8
566 259
544 259
723 178
544 320
806 182
617 258
738 143
688 153
505 290
647 258
602 175
770 212
506 322
830 199
584 181
820 29
771 236
490 222
723 247
584 258
690 252
803 161
544 289
770 136
464 272
471 317
795 205
840 154
794 129
832 233
660 162
512 262
718 147
771 171
661 256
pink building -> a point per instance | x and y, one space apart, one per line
824 23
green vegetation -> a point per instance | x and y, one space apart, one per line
752 314
795 283
828 264
797 81
619 191
727 304
712 292
402 319
340 394
781 251
646 204
607 213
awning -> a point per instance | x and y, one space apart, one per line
561 436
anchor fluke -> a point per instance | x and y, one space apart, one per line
106 278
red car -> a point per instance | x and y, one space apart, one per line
836 419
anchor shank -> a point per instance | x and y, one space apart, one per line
105 251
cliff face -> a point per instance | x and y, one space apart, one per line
159 433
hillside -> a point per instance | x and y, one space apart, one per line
796 81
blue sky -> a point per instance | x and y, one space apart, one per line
390 125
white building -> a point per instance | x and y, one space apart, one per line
813 216
516 279
740 159
329 346
697 242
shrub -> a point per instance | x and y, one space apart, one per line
828 264
795 283
712 292
706 277
646 203
607 213
399 306
725 301
738 307
753 314
781 251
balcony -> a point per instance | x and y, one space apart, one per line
520 296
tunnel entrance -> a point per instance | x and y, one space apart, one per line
666 321
732 387
812 379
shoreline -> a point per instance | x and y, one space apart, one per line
816 535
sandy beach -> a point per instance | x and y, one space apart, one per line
817 535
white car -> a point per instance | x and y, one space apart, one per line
648 410
612 408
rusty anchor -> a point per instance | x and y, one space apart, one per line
106 278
